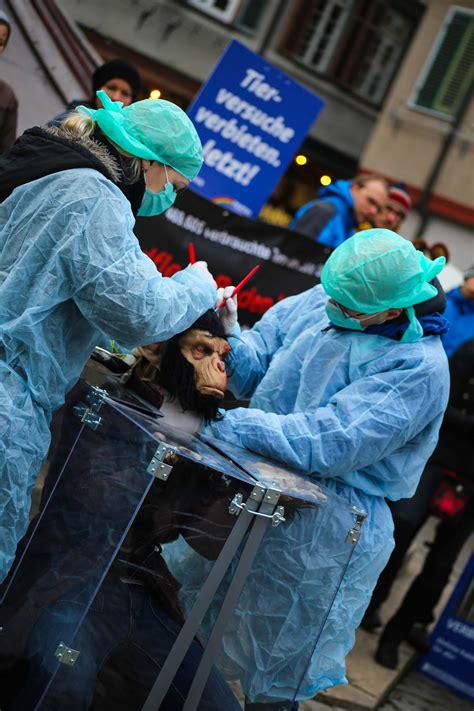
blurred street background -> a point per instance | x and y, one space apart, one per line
396 78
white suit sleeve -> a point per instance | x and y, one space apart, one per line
252 350
361 425
118 288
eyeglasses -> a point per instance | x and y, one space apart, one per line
373 203
345 312
359 315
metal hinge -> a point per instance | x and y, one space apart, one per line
66 655
353 534
157 466
96 398
88 416
268 496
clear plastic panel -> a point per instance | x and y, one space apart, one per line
271 474
91 609
186 445
271 637
273 632
115 558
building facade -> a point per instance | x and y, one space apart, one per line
424 134
346 51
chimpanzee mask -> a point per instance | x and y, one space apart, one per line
191 366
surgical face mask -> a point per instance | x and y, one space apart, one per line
338 317
156 203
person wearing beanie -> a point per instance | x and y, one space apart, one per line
120 81
118 78
348 383
396 208
72 272
460 314
8 100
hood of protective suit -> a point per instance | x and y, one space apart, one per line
44 150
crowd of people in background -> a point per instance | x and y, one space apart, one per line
339 212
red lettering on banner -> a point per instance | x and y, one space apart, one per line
172 269
164 262
222 280
253 302
249 299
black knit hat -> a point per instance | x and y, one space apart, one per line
117 69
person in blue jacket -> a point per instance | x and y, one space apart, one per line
341 208
72 272
348 384
460 314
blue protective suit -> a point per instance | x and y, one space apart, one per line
330 219
71 272
460 314
359 413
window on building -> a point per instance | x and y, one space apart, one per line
357 44
449 70
243 14
372 48
321 25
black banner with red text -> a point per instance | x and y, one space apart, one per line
232 245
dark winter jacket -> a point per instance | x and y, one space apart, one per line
455 450
72 106
460 314
330 219
44 150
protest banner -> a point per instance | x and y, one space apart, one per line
232 245
451 656
251 119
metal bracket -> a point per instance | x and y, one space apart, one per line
66 655
270 496
157 466
88 416
96 398
353 534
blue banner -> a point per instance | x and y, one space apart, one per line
251 119
450 660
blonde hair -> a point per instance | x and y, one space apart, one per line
79 126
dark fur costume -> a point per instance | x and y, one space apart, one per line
174 377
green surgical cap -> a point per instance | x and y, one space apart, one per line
377 270
154 129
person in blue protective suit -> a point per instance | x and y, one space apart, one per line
460 314
348 383
341 208
72 272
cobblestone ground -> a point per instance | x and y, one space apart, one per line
414 693
417 693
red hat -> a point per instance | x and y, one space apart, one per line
399 193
